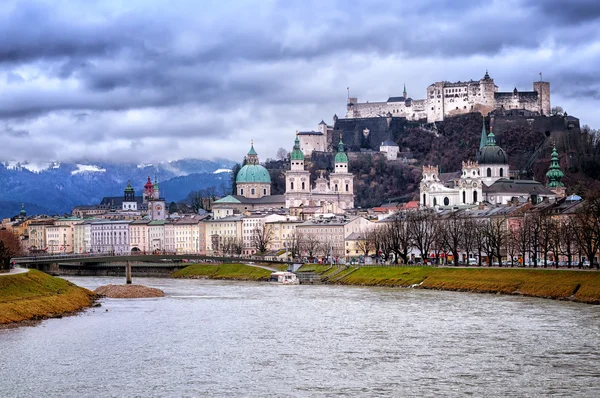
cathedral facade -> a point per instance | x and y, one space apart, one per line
484 180
337 190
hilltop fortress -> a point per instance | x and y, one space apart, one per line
451 99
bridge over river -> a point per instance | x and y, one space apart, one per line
102 264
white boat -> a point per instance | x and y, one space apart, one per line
284 278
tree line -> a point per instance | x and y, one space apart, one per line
535 237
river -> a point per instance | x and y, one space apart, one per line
219 338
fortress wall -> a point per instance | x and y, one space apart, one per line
371 109
522 100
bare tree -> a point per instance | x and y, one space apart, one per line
310 245
568 239
294 243
496 237
451 232
469 236
282 154
262 237
423 228
202 199
546 227
365 243
587 218
534 229
401 238
10 246
557 111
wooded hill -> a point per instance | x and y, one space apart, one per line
528 142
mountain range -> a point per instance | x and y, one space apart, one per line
56 187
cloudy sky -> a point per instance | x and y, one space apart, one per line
149 80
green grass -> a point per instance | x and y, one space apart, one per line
556 284
224 271
36 295
318 268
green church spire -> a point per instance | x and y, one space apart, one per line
555 174
483 140
404 92
341 156
297 154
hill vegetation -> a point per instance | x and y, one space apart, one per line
35 295
528 142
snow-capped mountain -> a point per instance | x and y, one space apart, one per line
60 186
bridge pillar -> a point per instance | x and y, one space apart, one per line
128 273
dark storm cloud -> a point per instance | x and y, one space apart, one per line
568 12
19 133
117 70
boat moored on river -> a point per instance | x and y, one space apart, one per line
284 278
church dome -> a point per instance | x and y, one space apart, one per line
253 173
491 153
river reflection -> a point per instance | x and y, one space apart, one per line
213 338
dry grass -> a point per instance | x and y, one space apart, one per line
556 284
129 291
36 295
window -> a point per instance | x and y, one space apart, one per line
424 199
346 187
489 172
291 185
501 172
435 201
302 185
474 197
242 191
252 191
336 187
464 197
264 191
446 201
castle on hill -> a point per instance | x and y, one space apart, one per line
445 99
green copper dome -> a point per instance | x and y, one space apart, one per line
491 153
340 156
555 174
297 153
129 188
253 173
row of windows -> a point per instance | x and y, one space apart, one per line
253 191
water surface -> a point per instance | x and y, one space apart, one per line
218 338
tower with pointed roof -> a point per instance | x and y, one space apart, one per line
492 160
404 92
341 181
297 179
555 175
148 189
157 206
129 202
253 180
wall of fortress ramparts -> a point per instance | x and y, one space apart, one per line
451 99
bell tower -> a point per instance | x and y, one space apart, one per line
297 179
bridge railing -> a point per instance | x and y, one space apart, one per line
163 255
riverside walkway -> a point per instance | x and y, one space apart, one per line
14 271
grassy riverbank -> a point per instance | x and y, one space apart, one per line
36 295
224 271
556 284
